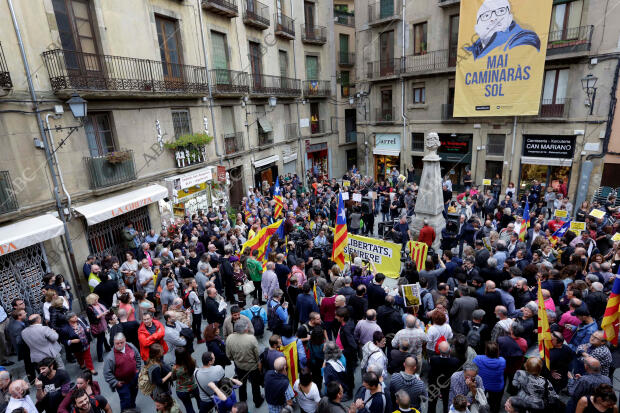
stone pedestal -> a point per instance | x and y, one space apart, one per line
429 204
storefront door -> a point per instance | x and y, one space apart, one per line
236 186
105 238
544 174
384 165
21 274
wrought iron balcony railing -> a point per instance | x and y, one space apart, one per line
557 108
5 77
285 26
353 137
229 82
317 88
111 169
291 131
385 115
317 127
70 71
570 40
384 68
384 11
274 85
313 34
345 19
227 8
426 61
346 59
256 14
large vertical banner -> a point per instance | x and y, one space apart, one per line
501 57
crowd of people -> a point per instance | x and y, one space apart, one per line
183 304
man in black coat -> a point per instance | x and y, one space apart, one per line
481 254
376 293
389 317
17 323
442 368
359 303
488 301
347 338
106 290
489 205
212 308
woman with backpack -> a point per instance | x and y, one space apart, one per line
159 374
183 374
438 331
215 344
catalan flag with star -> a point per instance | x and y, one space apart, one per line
559 233
544 334
277 196
260 241
340 235
611 318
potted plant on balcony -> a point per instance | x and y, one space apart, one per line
190 148
118 157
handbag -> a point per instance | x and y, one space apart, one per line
248 287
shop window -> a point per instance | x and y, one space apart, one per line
417 142
98 128
181 122
419 38
495 144
419 93
565 20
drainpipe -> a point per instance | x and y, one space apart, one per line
610 116
218 153
70 255
402 85
512 152
62 181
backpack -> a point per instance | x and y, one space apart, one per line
257 323
145 385
473 335
186 302
273 320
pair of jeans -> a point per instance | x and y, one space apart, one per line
205 407
101 342
186 399
254 378
196 324
127 394
495 400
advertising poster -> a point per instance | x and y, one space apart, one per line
500 57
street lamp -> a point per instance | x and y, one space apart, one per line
78 106
588 84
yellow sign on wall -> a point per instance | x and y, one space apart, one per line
500 57
385 255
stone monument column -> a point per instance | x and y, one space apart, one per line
429 204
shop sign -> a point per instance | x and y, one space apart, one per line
317 147
454 144
390 141
221 173
549 146
123 209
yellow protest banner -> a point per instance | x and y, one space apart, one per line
346 183
385 255
577 227
597 213
486 182
411 294
616 237
561 213
500 57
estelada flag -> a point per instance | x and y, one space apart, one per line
260 241
544 334
612 313
418 252
292 361
559 233
340 235
277 196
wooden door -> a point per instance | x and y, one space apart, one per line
169 48
386 50
309 18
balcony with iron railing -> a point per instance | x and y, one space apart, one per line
268 85
226 82
227 8
104 75
8 199
346 59
114 168
344 19
317 88
285 26
385 115
570 40
291 130
384 68
354 137
5 77
311 34
447 3
447 114
317 127
256 14
233 143
427 62
554 109
383 12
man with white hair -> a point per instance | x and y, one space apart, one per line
20 398
496 27
413 334
269 281
596 300
242 349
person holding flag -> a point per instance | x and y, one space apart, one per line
277 197
559 233
611 317
340 235
525 222
544 334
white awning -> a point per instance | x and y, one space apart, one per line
28 232
388 152
289 157
266 161
534 160
108 208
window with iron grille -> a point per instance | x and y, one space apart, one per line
495 144
417 142
181 122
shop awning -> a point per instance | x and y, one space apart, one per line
289 157
28 232
384 151
108 208
534 160
265 124
266 161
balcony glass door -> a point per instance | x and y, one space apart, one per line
454 40
386 53
344 48
220 58
565 21
309 19
255 63
169 48
386 105
554 92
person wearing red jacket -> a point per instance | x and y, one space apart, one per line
150 332
427 234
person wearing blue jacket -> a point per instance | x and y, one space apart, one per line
491 369
255 309
584 330
287 338
306 304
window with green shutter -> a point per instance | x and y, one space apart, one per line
220 58
312 67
